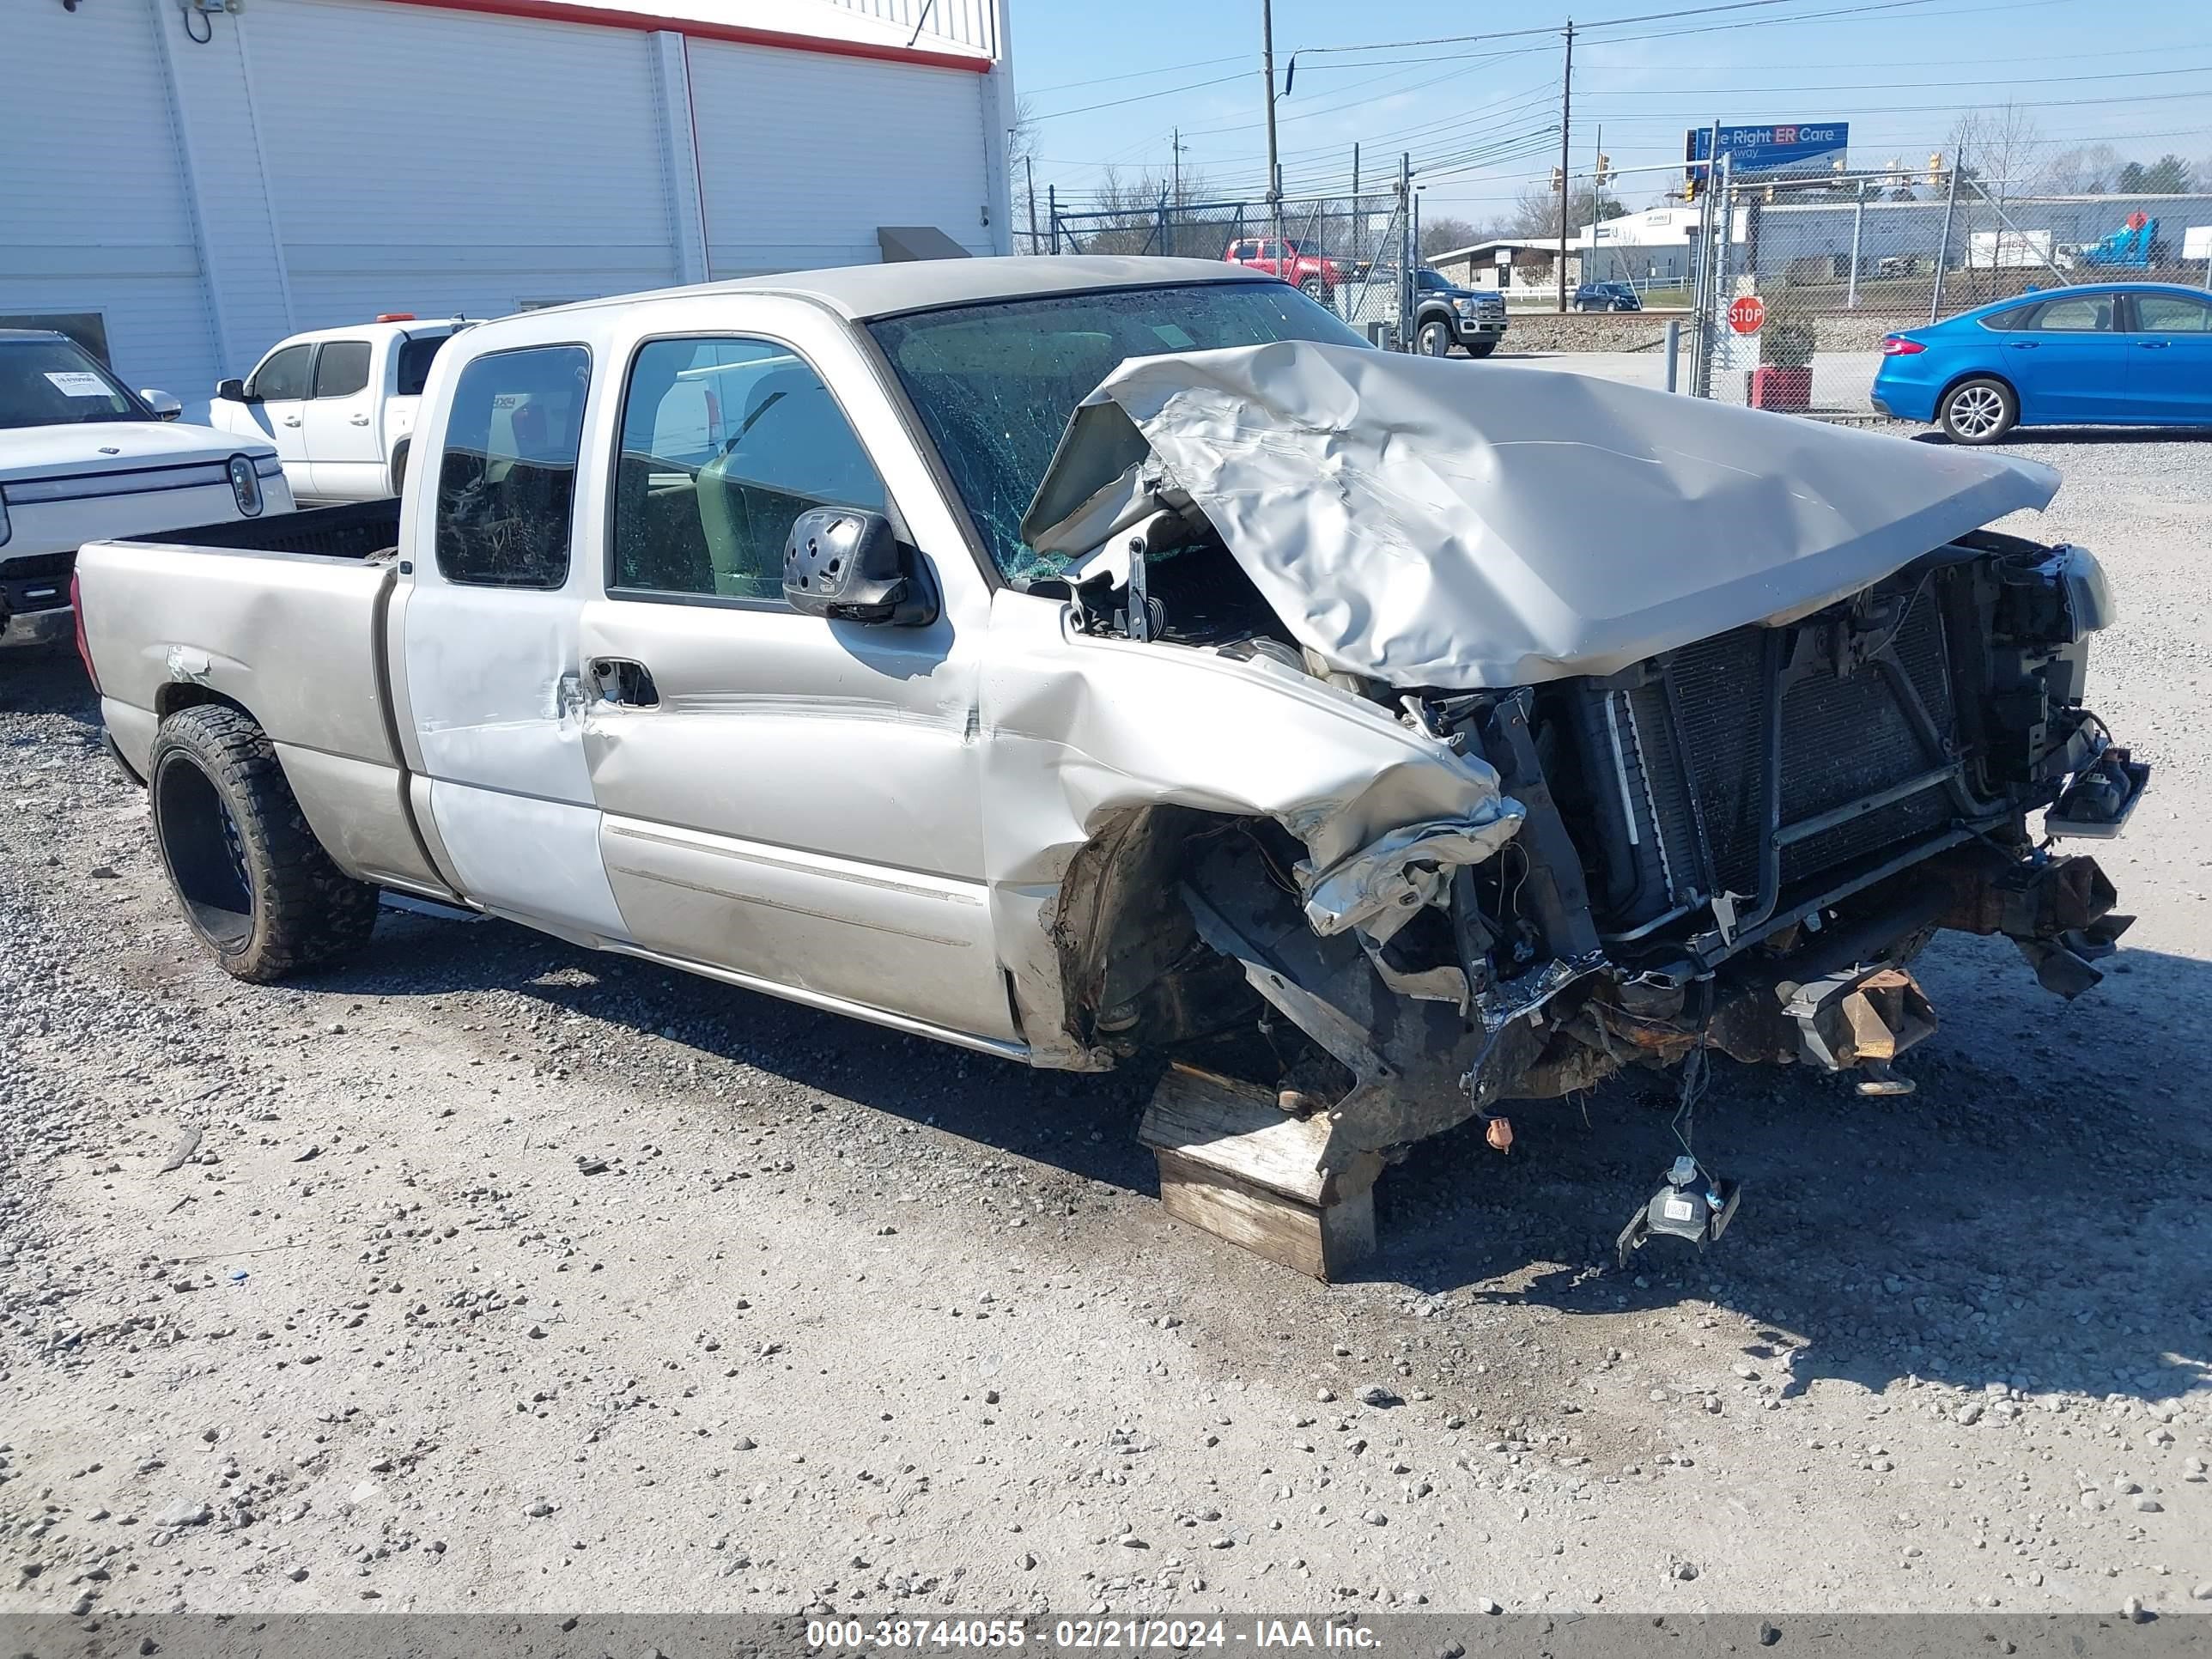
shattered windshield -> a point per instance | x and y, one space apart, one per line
995 383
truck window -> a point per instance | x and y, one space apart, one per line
507 478
343 368
284 376
725 442
414 367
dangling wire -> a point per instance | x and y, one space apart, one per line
1693 1090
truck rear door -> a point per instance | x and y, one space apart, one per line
489 631
790 799
340 424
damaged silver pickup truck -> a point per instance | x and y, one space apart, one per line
1399 736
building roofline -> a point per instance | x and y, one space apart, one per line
567 11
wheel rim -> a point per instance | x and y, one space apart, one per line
205 853
1977 410
1434 341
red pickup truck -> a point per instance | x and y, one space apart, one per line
1294 261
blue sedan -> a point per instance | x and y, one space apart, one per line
2126 354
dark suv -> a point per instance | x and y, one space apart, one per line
1446 315
1606 296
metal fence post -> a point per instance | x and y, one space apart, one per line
1673 349
1943 248
1858 226
1052 208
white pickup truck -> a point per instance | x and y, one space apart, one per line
1086 657
339 404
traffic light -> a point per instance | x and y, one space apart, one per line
1559 180
1934 169
1604 168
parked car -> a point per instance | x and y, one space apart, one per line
1296 263
1608 296
1081 658
1446 315
339 403
2129 354
82 456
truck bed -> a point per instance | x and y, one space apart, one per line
289 617
357 530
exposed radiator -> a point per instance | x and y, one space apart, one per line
1693 752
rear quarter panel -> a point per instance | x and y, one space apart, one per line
298 642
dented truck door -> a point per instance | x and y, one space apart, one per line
792 800
490 639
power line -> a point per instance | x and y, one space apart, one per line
1889 86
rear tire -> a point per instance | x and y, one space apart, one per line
1978 411
1482 349
256 885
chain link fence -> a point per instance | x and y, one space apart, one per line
1834 269
1346 251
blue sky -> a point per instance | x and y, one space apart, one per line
1480 116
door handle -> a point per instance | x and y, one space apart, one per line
291 420
622 682
2152 345
359 420
2025 345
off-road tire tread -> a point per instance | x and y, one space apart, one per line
307 912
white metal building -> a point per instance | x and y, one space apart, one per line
184 184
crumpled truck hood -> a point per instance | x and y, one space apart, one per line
1430 523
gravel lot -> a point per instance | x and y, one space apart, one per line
486 1274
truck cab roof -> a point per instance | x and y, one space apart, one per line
863 292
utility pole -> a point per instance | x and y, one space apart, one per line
1167 225
1566 124
1359 211
1597 195
1405 248
1028 171
1274 166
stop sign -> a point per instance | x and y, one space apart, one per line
1745 315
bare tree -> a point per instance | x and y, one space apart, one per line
2084 170
2000 149
1443 234
1536 214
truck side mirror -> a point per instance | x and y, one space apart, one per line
231 391
161 404
847 564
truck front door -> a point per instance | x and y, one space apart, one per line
793 801
276 404
490 695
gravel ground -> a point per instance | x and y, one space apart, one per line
486 1274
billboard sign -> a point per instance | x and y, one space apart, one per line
1776 150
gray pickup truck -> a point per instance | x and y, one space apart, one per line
1085 659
